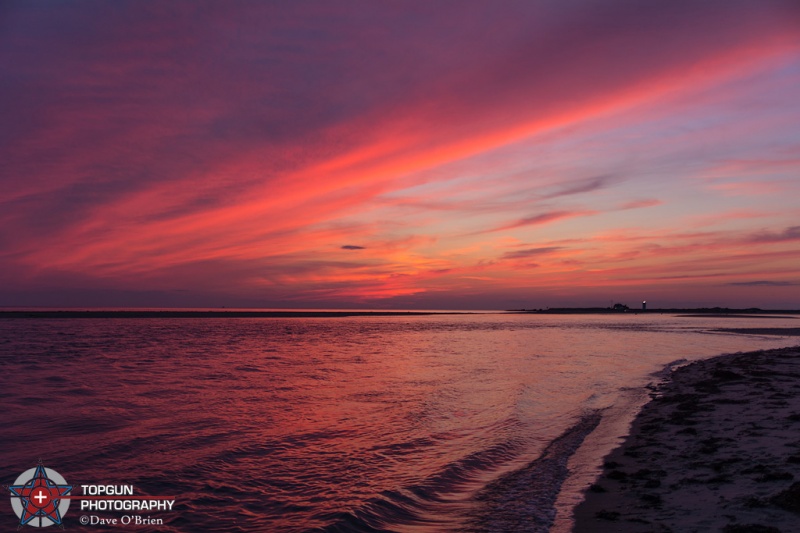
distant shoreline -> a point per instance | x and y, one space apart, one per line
785 332
214 314
720 312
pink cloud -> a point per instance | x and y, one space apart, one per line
541 219
260 140
747 188
639 204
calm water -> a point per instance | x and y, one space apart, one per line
338 424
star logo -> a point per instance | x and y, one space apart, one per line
39 497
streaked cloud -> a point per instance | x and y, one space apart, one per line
787 235
763 283
218 149
531 252
542 218
639 204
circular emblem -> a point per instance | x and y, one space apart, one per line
39 497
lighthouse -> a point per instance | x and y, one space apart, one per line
644 305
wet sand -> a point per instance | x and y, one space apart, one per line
717 449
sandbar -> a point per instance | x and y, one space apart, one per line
788 332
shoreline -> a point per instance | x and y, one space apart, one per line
215 314
716 449
714 312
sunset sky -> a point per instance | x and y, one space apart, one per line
441 155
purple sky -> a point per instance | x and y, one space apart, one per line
400 154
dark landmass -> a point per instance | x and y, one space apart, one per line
792 332
700 312
712 315
211 314
716 449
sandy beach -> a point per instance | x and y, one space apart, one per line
717 449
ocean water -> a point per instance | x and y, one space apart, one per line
419 423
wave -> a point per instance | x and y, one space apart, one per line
524 500
434 504
521 500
